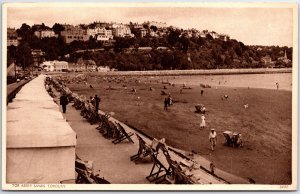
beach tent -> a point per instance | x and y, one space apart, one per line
40 144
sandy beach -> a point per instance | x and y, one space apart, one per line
265 124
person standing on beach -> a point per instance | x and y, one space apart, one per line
213 138
202 92
63 102
277 85
202 124
166 104
97 102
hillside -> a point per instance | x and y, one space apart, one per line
161 48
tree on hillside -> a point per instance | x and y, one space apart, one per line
11 54
23 55
121 43
136 32
146 26
154 28
24 29
57 28
209 37
185 42
173 37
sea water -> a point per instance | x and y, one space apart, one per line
267 81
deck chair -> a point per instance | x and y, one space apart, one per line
83 177
85 174
106 127
178 175
143 151
175 171
114 132
159 171
122 134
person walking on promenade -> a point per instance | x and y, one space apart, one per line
64 102
97 102
213 139
277 85
202 124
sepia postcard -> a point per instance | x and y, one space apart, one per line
149 96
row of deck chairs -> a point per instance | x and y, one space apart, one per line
113 130
161 172
88 111
109 129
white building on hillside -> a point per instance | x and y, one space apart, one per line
103 69
122 32
55 66
101 34
44 33
74 34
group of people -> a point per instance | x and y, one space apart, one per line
89 108
66 96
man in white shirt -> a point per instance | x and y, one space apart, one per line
213 138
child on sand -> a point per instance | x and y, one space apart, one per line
202 124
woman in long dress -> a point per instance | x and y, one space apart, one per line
202 124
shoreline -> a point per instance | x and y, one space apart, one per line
193 72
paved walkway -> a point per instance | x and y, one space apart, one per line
106 156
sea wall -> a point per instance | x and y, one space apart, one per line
40 144
198 72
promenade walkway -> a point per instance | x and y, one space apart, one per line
112 160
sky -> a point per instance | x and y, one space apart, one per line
252 26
